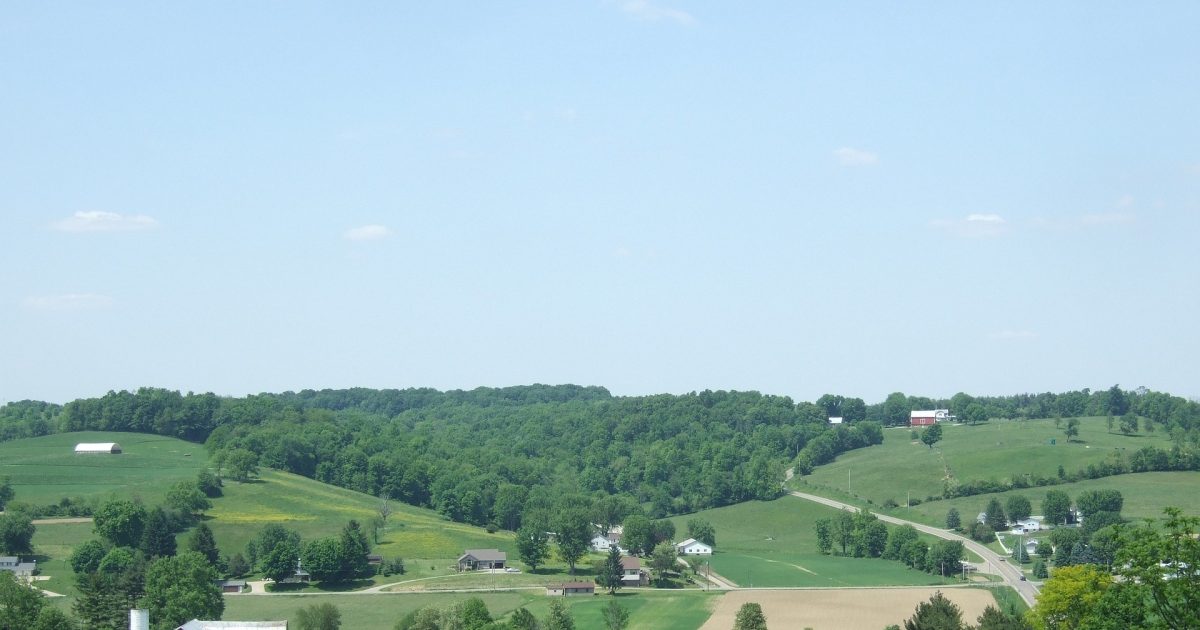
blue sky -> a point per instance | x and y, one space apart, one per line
653 196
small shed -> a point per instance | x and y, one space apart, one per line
97 448
568 589
232 586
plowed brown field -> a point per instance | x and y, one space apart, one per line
843 609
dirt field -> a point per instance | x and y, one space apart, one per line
843 609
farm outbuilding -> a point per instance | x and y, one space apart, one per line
94 448
924 418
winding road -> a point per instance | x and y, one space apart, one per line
1010 574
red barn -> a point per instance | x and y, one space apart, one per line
928 417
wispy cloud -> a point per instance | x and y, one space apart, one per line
68 302
100 221
651 12
974 225
1012 335
367 233
849 156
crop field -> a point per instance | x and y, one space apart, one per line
993 450
772 543
843 609
46 469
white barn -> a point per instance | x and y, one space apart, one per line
90 448
693 547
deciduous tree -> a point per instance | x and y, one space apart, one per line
120 521
182 588
939 613
750 617
16 533
1056 507
319 617
616 616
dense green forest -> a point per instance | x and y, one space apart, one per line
479 456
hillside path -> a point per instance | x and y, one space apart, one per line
999 565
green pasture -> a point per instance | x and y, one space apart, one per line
1145 494
422 537
773 543
46 469
997 450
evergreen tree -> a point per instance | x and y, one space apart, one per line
158 537
1039 569
203 543
522 619
996 519
953 520
355 548
608 573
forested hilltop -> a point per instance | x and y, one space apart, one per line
481 456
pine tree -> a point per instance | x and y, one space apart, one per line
202 542
158 539
610 571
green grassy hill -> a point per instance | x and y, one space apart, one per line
46 469
996 450
316 509
773 543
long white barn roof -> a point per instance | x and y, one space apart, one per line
96 447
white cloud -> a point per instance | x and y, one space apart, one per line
68 302
650 12
974 225
1125 201
1011 335
1107 218
849 156
367 233
100 221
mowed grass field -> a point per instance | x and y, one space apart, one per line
997 450
773 543
46 469
648 610
1145 494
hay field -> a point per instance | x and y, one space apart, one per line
842 609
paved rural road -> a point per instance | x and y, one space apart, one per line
1010 574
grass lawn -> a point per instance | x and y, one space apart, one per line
368 612
46 469
649 610
52 545
773 543
993 450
